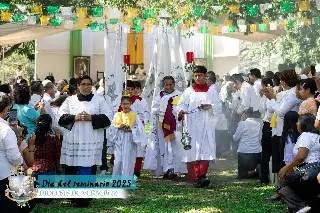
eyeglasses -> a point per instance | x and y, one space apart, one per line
85 85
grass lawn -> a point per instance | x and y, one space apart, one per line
225 194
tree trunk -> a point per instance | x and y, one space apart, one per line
9 51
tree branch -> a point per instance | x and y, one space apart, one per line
10 51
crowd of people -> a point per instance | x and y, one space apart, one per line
69 127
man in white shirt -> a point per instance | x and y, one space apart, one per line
255 79
60 85
9 154
49 93
248 95
141 74
37 93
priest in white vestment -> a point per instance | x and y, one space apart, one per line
196 107
165 150
85 116
125 134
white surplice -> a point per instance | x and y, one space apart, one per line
199 124
163 155
138 108
124 145
82 146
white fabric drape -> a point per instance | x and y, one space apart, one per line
149 42
194 44
87 45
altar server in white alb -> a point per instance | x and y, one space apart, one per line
86 116
165 150
125 135
197 104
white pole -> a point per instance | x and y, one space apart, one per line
2 65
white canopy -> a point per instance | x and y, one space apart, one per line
14 33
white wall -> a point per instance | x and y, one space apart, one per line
52 54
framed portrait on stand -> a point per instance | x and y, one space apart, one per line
81 66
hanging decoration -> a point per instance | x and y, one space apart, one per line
18 18
228 22
95 27
132 12
52 10
204 30
262 27
21 8
97 12
138 29
148 13
214 22
5 16
253 28
32 20
273 25
56 21
184 10
150 21
114 21
304 5
283 25
4 7
316 20
197 11
242 28
149 29
135 22
241 22
66 11
252 9
190 57
68 24
44 20
264 7
307 22
291 23
36 10
235 9
317 4
217 8
286 7
82 12
232 29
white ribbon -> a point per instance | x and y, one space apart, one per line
242 28
68 24
66 11
22 8
264 7
273 25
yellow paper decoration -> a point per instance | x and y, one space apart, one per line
5 16
44 20
132 12
150 21
36 10
304 6
253 28
235 9
149 29
227 22
307 22
189 23
214 30
82 23
82 12
183 10
266 20
283 25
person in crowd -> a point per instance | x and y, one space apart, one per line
308 88
5 88
219 119
255 79
226 89
137 92
9 155
48 149
279 105
289 136
276 83
211 75
164 150
60 85
306 73
86 116
248 135
195 105
141 74
266 132
36 93
23 82
26 114
269 74
125 134
248 96
50 78
49 93
299 195
55 106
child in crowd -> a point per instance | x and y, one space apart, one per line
48 149
290 136
248 134
125 134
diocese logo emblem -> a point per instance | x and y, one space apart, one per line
21 187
